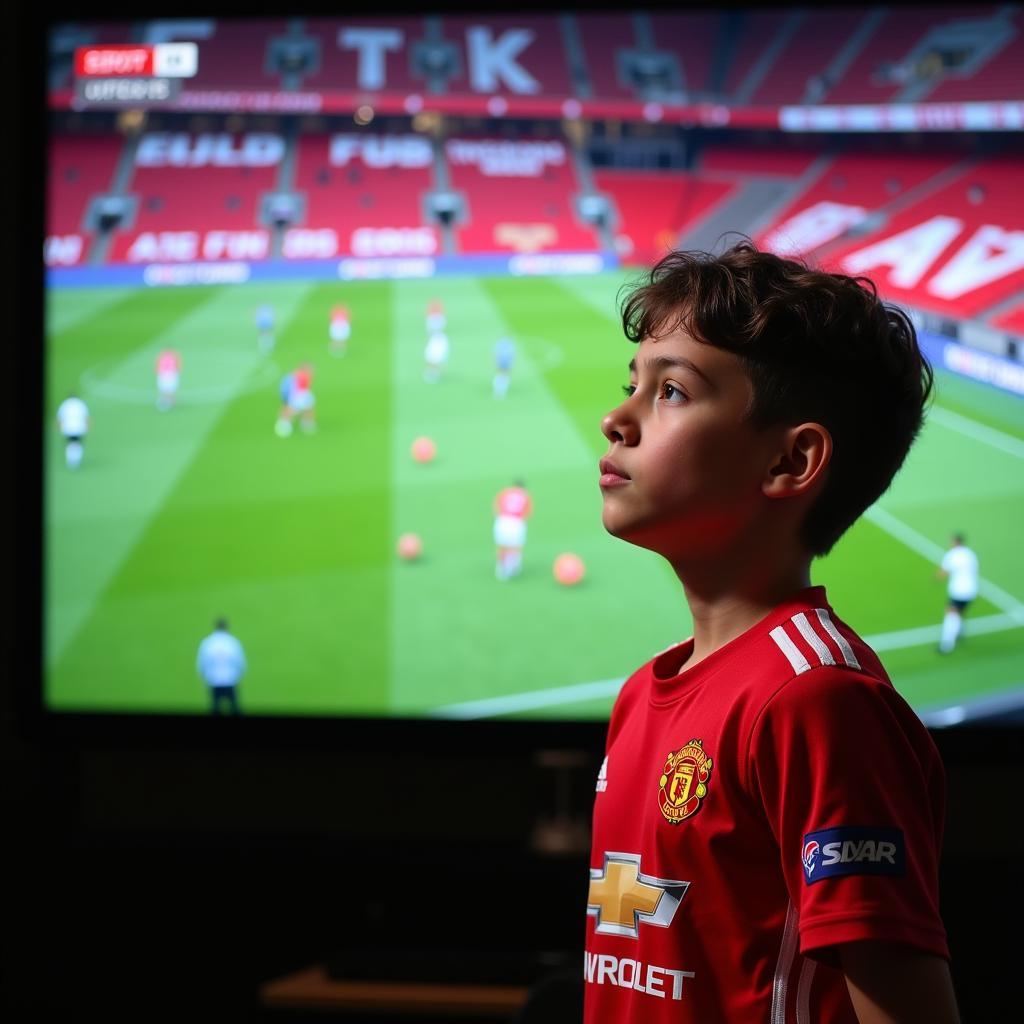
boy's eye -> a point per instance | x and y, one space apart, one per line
628 390
671 393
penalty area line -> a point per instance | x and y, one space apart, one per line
931 551
532 700
989 705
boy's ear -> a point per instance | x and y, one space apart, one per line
800 462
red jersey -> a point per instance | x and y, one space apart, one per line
774 800
513 501
302 380
168 362
339 315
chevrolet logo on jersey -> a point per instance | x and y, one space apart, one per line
621 898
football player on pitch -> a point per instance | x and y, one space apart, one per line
436 321
265 327
73 421
769 815
512 508
340 329
168 376
297 400
960 567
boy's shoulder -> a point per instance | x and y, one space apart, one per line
802 638
799 679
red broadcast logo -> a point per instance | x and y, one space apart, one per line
128 60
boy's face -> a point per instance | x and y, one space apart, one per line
684 469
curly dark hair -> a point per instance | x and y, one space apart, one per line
817 346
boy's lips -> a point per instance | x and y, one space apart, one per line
611 475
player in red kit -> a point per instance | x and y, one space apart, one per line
769 813
512 508
340 329
298 400
168 375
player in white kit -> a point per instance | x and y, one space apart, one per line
73 421
435 355
340 329
960 567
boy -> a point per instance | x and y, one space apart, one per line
960 567
770 810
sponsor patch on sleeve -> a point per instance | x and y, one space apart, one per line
837 852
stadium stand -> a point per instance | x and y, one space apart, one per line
832 197
81 168
877 75
691 37
758 161
850 190
1011 319
797 74
338 63
998 76
366 193
199 194
519 196
758 35
957 251
542 55
655 208
603 37
234 52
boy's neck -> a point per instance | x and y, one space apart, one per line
726 600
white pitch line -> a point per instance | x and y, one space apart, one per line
985 706
531 700
929 549
930 634
1012 618
978 431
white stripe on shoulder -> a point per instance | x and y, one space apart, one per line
830 627
798 662
819 645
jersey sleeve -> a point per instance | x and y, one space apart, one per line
854 791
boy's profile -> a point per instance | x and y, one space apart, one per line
769 814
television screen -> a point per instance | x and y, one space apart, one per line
331 321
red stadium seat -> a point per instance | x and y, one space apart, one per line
518 196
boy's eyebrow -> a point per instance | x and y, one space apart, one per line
670 362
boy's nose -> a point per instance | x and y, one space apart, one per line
619 426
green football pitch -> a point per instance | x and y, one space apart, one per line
175 518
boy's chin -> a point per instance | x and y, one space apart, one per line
630 532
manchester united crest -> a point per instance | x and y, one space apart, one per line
684 782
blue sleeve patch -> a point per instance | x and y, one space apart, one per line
837 852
